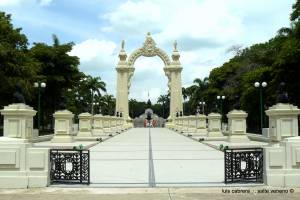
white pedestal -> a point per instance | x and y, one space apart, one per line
237 126
85 125
282 163
192 124
18 121
214 125
106 124
201 124
63 127
98 125
283 121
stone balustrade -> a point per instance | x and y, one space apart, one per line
189 124
192 122
201 124
63 127
282 156
98 125
85 125
237 126
214 125
21 164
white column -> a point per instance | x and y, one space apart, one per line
237 126
283 121
214 125
98 125
192 124
21 165
85 125
18 121
282 160
201 124
63 127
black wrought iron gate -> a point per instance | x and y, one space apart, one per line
243 165
70 166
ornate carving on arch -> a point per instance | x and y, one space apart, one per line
149 49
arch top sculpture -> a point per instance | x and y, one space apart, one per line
149 49
125 70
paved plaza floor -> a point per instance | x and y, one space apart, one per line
53 193
155 157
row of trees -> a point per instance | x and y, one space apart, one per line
161 107
24 65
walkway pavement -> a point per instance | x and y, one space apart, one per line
155 157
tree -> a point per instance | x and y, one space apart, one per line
164 101
58 69
107 103
16 63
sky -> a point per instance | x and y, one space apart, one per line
204 31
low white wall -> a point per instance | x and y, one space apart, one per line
21 165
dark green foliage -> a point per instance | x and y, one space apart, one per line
16 63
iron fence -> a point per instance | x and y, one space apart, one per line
70 166
243 165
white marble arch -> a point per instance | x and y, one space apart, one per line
125 71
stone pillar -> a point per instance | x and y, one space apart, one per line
185 124
283 121
282 161
201 124
192 124
85 125
106 124
176 124
21 165
18 121
214 125
63 127
173 72
98 125
124 74
113 124
237 126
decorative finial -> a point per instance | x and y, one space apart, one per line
175 45
123 44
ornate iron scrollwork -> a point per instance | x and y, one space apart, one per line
70 166
243 165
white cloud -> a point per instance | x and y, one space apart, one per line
203 29
93 48
45 2
8 3
131 16
98 58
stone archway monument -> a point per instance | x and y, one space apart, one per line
125 70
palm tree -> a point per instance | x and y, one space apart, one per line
107 103
164 100
196 91
95 84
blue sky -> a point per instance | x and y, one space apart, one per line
204 30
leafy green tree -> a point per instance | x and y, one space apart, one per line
164 101
16 63
58 69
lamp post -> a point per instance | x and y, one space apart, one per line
39 85
221 99
94 104
260 86
202 104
